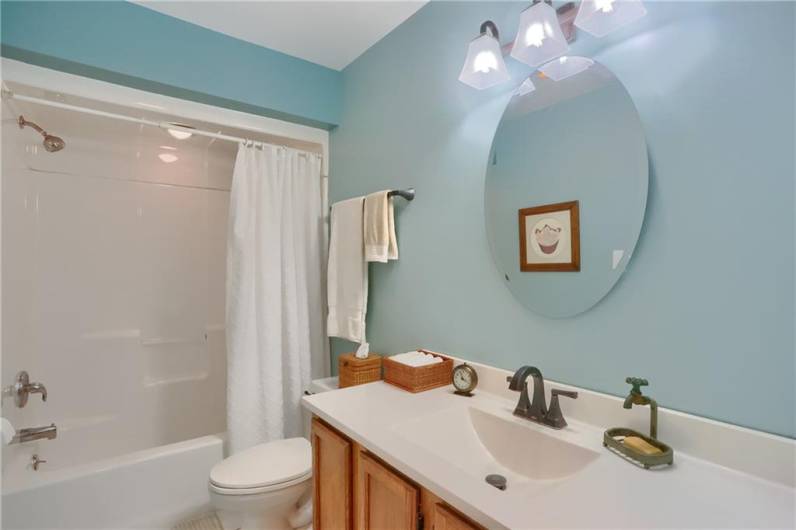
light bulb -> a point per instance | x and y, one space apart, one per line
535 35
484 62
600 17
606 6
168 158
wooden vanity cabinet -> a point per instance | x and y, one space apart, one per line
354 490
332 478
384 500
439 516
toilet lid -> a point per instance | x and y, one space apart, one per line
264 465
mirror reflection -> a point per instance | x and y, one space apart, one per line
566 190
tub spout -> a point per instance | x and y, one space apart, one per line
49 432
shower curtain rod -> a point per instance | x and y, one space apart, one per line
159 124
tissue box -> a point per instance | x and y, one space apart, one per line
355 371
418 378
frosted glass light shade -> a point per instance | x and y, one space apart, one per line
526 87
600 17
484 66
539 37
566 66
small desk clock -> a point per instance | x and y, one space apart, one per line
465 379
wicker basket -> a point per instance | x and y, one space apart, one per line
418 378
354 371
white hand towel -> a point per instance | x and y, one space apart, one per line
416 359
347 283
381 244
8 431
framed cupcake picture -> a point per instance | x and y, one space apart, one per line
550 238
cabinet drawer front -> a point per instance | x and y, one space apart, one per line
331 478
385 500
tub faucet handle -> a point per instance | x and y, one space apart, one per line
22 388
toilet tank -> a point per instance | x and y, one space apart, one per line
316 387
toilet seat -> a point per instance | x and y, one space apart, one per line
263 468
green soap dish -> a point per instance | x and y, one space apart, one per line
641 459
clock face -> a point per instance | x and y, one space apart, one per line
464 378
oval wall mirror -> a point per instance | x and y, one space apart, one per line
566 190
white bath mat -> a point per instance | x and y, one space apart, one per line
208 521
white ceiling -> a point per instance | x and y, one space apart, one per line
331 33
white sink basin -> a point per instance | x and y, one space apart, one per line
482 443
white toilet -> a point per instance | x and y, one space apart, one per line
260 488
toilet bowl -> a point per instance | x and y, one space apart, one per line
259 488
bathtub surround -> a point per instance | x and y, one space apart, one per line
120 258
99 287
276 266
697 311
131 45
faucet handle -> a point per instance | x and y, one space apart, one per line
566 393
555 418
637 383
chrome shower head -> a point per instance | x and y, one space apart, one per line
51 143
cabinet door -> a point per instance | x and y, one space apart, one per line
384 500
445 519
331 479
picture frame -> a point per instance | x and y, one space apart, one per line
550 237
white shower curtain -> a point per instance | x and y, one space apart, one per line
276 260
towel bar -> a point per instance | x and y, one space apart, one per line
407 194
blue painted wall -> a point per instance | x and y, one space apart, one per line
130 45
705 309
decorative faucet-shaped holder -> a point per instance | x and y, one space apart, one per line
657 453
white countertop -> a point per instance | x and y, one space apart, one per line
608 493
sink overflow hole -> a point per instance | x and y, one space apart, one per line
499 481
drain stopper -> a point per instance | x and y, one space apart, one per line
499 481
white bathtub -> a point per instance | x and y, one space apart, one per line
153 488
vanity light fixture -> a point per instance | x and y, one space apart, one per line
539 37
566 66
484 66
543 38
600 17
526 87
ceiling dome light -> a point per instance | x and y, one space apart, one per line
600 17
168 158
567 66
539 37
484 66
181 133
